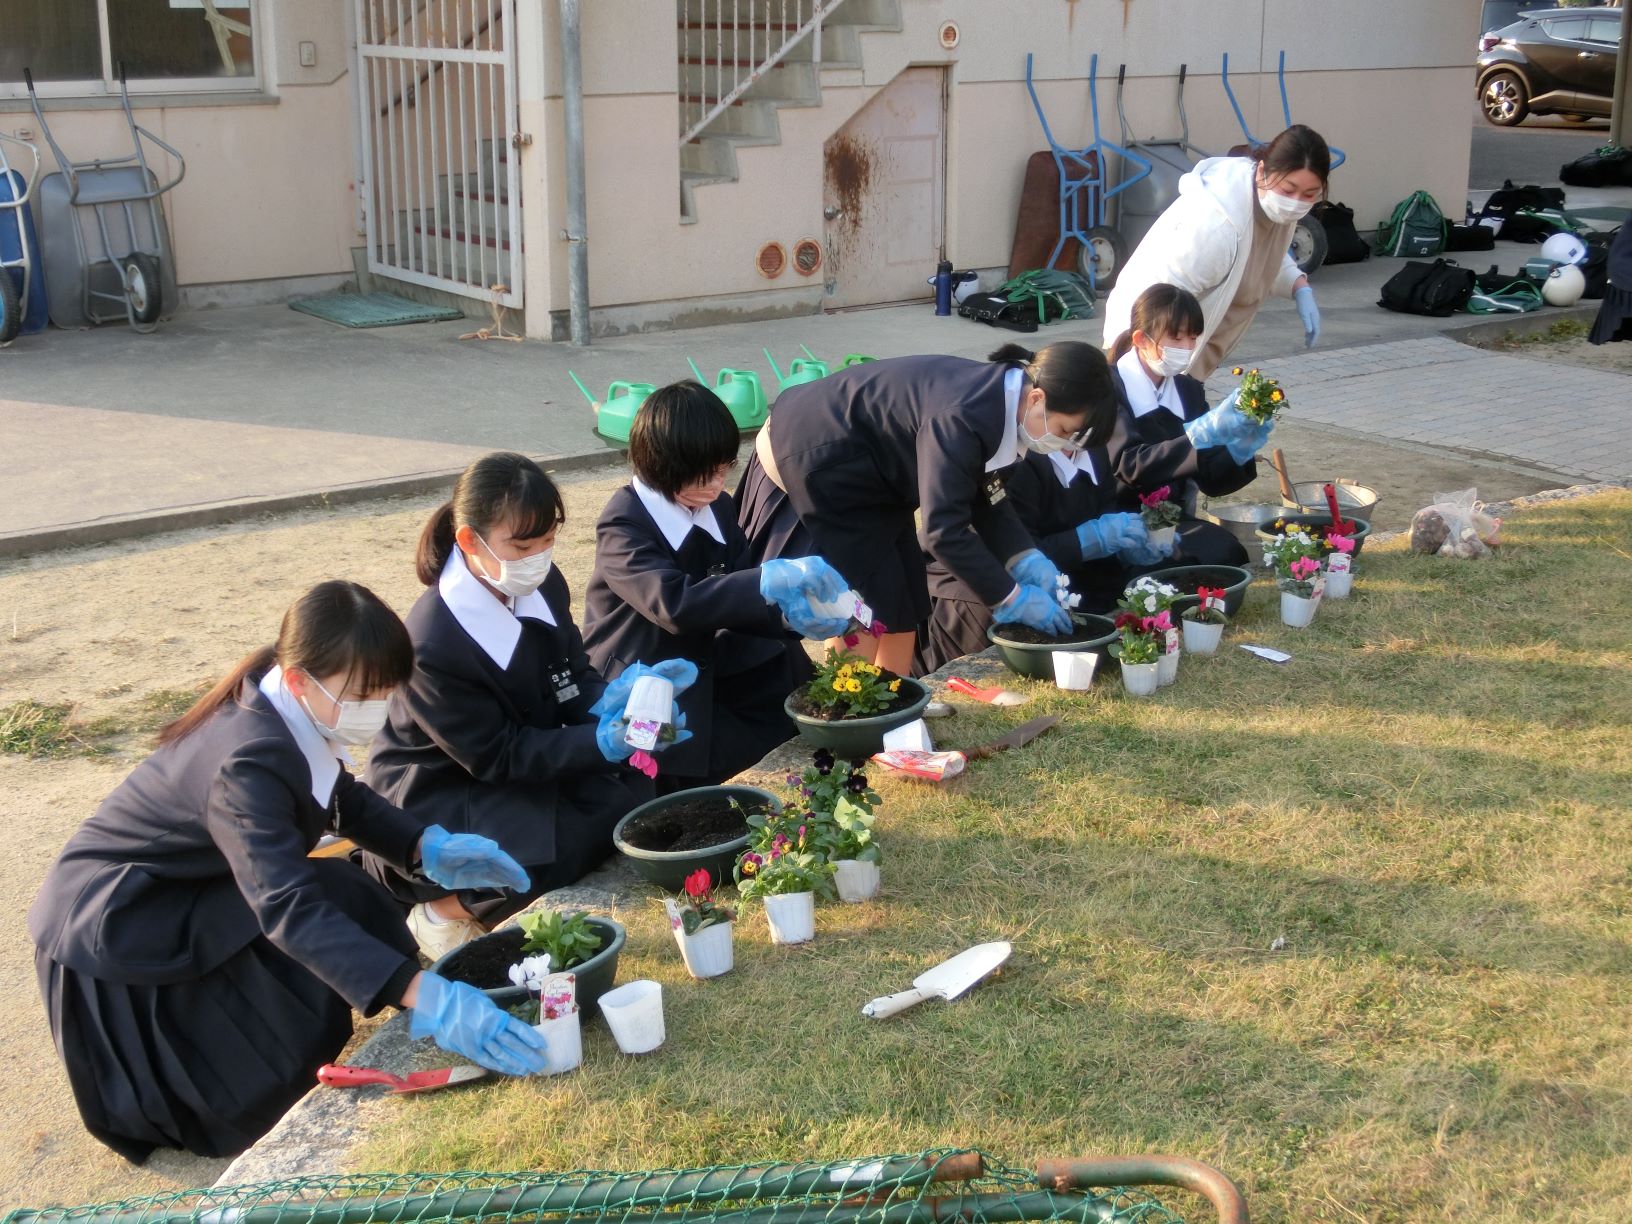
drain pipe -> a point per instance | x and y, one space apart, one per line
576 233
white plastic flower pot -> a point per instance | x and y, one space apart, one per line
1339 575
792 917
1201 638
709 952
634 1013
1167 668
563 1043
1139 678
1162 539
1297 611
1074 669
857 879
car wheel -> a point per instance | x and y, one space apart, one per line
1504 99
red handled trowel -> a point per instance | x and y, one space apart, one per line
416 1081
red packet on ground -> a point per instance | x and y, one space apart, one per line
915 763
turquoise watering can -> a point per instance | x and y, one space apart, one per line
616 413
741 393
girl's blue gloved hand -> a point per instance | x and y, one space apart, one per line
468 860
464 1021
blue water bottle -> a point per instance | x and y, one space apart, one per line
943 287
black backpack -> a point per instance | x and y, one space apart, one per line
1609 166
1343 241
1440 288
1595 267
1509 199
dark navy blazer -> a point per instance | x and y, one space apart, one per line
860 450
1153 450
647 602
203 849
475 747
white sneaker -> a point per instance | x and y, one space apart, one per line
437 938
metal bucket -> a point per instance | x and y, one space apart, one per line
1241 520
1355 500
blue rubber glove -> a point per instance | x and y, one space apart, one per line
1031 568
1304 300
609 709
792 582
1229 427
1145 551
1035 607
465 1021
1110 533
468 860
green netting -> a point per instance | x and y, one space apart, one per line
936 1187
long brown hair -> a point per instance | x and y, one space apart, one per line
1075 380
335 627
1161 310
1297 148
503 488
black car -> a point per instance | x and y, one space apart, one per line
1550 62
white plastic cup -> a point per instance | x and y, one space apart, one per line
1297 611
1162 538
1074 669
709 952
792 917
857 879
563 1043
1201 638
1167 668
1139 678
914 737
634 1013
1339 575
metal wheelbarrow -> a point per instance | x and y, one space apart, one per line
106 248
22 290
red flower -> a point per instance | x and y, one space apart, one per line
852 640
1205 593
1156 498
878 628
1124 619
698 883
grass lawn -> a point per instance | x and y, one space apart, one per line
1429 804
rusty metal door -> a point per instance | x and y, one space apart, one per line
884 194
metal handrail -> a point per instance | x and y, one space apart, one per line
810 28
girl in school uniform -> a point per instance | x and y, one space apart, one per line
845 462
197 966
504 728
1166 434
1070 503
672 579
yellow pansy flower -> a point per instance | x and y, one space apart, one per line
895 685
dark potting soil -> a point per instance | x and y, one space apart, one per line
803 705
486 964
697 825
1036 637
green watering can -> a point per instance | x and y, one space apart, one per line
741 393
615 414
854 359
801 371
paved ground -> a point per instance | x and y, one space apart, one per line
1529 153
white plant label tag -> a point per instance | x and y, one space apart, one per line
1338 563
1170 641
1266 652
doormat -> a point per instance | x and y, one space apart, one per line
372 310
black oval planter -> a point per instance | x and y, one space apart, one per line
860 737
1234 580
668 869
1036 659
595 975
1323 519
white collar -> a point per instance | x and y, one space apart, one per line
1007 448
492 625
1143 395
1067 465
673 519
323 756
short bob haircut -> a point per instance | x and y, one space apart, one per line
681 436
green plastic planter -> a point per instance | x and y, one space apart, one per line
595 975
860 737
1232 578
1036 659
1323 519
668 869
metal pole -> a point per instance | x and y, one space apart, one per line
577 235
1620 115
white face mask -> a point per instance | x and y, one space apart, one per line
519 577
1174 360
356 723
1044 445
1282 209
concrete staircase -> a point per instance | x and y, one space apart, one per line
714 47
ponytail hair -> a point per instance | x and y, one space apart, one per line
1161 310
1075 380
336 627
502 489
1297 148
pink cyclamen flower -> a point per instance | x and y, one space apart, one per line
1162 621
1303 567
1156 498
645 762
1341 543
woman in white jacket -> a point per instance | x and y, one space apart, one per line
1226 240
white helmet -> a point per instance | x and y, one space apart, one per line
1565 248
1564 286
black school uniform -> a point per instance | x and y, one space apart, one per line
492 734
861 450
1052 494
197 966
1151 449
670 583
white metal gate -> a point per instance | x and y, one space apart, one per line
441 189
